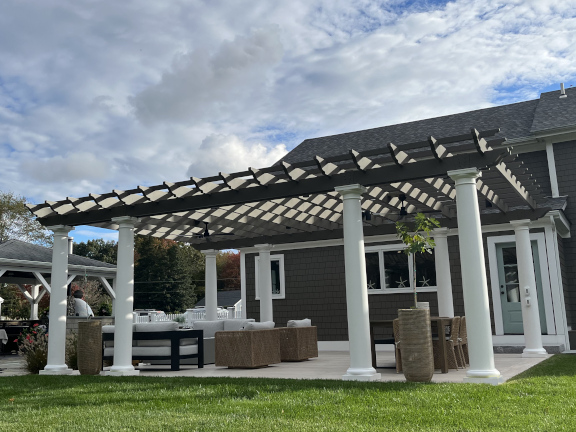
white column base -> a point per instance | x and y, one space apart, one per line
485 380
58 370
356 374
535 352
492 377
121 371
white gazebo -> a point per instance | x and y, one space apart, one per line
321 199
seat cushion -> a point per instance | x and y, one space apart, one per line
209 327
156 326
306 322
266 325
236 324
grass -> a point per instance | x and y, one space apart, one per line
541 399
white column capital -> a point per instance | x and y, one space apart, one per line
265 247
465 175
125 221
351 191
210 252
60 229
440 232
522 224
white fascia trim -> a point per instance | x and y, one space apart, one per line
552 169
503 340
29 266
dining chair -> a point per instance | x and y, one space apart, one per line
452 346
397 354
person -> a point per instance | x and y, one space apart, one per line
81 308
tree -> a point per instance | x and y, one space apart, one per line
228 268
417 242
164 273
17 222
98 249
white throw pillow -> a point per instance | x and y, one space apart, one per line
209 327
236 324
259 325
306 322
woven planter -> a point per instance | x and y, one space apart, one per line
89 347
416 344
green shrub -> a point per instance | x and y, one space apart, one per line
72 350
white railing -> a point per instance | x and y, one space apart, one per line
187 317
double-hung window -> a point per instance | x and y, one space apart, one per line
389 270
276 274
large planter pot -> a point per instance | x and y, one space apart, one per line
89 347
416 344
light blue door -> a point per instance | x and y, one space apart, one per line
510 288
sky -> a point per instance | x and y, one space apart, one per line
96 95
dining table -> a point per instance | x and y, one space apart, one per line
438 324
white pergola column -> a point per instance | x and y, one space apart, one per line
124 305
265 282
474 284
56 364
528 294
211 288
443 275
35 294
356 287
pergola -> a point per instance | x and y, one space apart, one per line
462 179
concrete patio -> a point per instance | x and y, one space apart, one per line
329 365
333 364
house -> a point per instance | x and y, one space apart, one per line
316 231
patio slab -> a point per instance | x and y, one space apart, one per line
333 364
329 365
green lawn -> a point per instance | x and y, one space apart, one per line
541 399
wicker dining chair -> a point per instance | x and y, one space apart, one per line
463 345
452 346
397 354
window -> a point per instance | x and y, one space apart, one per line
276 273
388 270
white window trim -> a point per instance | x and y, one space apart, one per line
407 290
280 259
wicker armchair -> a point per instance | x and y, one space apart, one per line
463 346
247 348
397 353
298 343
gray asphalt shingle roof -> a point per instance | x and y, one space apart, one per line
19 250
225 298
515 120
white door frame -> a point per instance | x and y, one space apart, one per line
495 283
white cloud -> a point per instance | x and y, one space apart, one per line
228 154
101 96
74 167
204 86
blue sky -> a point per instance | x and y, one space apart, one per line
96 96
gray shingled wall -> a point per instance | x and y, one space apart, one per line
565 156
537 163
315 289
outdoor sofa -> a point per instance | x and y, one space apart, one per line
159 341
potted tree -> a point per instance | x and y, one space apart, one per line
415 333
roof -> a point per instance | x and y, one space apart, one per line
225 298
23 251
517 120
